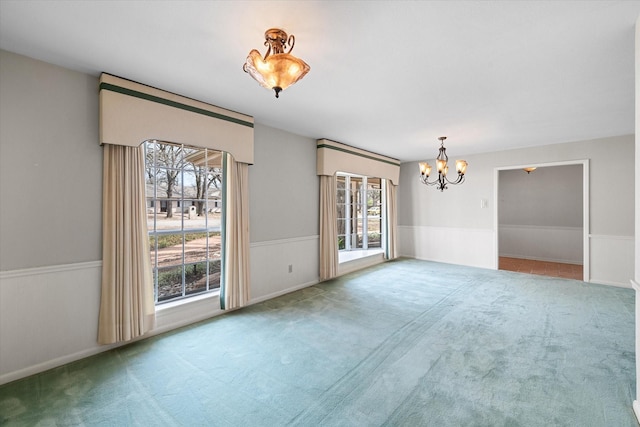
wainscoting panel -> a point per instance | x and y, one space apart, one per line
282 266
612 259
554 244
464 246
48 317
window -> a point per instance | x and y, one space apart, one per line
184 211
360 209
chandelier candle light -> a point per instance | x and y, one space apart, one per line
441 164
279 69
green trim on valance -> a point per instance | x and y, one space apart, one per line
355 153
174 104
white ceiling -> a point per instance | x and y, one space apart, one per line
387 76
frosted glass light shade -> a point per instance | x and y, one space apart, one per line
442 166
461 166
425 168
278 69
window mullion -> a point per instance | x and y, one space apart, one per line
365 214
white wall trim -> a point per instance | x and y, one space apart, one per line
97 349
442 244
636 403
54 363
356 264
540 227
34 271
610 237
612 260
283 265
282 292
284 241
611 283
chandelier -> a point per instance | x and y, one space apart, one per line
279 69
442 167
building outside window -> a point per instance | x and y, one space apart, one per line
184 212
360 207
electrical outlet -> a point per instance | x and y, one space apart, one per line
290 268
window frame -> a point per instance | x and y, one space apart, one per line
212 261
366 217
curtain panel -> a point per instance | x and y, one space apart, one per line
131 113
391 248
328 228
234 286
127 308
333 157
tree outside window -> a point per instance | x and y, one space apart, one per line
184 210
359 212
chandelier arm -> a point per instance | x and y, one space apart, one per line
426 181
457 181
291 42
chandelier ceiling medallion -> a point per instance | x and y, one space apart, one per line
278 69
441 165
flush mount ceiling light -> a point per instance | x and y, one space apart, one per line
529 170
441 164
279 69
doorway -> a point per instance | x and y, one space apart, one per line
541 219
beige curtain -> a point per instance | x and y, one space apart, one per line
127 306
328 228
234 286
391 250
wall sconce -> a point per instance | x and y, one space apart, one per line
529 170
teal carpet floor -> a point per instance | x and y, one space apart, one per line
406 343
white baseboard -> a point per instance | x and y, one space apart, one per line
282 292
610 283
53 363
347 267
443 244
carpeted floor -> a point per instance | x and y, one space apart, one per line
407 343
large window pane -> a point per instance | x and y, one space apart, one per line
215 245
169 283
359 211
195 277
184 209
214 274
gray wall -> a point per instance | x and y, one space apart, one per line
50 218
540 214
548 196
453 227
611 186
284 187
50 165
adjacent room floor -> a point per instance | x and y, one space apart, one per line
404 343
543 268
